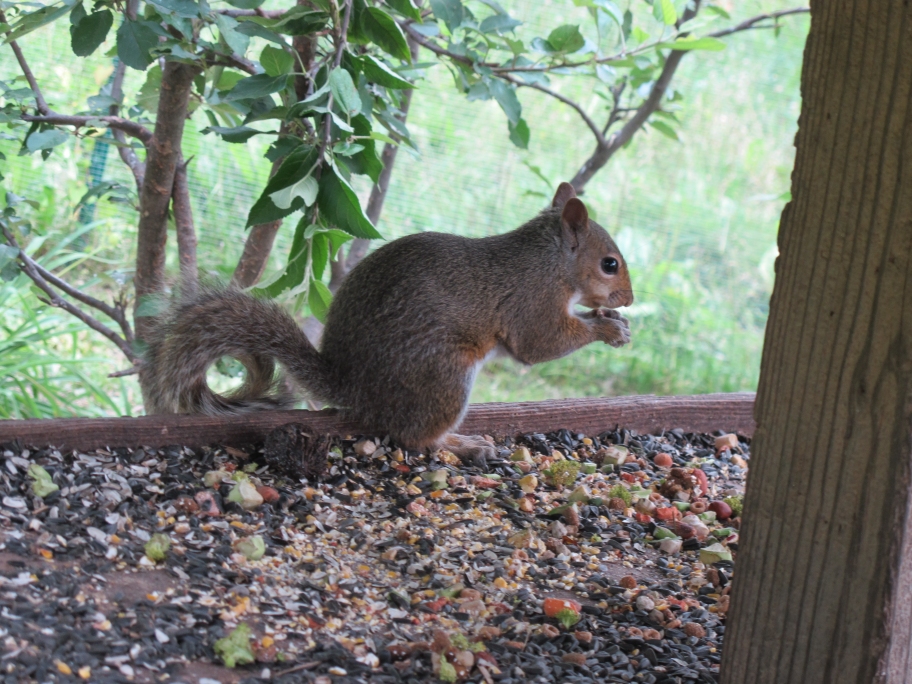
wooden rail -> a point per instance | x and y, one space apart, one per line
645 414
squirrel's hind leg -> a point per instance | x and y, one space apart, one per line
469 448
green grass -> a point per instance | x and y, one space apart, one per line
697 220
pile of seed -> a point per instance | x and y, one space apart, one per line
570 559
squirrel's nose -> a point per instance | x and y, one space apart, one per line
624 297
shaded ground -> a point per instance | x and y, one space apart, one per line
394 567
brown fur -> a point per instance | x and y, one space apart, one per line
408 329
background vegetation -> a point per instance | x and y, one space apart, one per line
696 219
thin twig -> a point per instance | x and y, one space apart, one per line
340 44
186 233
129 127
614 116
749 23
40 102
266 14
127 154
124 373
498 68
339 47
234 61
35 272
596 131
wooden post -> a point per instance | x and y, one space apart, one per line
823 588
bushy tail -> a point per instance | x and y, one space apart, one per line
216 323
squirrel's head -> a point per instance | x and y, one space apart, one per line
598 268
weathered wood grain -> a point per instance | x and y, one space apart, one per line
821 594
703 413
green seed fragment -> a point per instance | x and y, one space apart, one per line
447 671
234 649
157 547
253 547
42 484
568 617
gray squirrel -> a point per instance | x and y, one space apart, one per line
408 330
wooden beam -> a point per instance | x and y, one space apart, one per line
645 414
822 588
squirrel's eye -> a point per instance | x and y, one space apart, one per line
610 265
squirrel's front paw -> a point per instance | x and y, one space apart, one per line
613 328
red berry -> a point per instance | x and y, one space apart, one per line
663 460
722 510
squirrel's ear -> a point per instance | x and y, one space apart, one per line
575 220
564 192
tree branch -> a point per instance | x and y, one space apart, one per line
596 131
40 103
37 274
266 14
130 127
604 152
258 245
499 68
155 197
750 23
127 154
359 246
186 233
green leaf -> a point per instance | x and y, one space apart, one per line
665 129
542 45
236 40
246 4
300 21
319 254
148 94
78 14
253 87
499 23
366 161
319 299
339 204
250 27
46 140
519 133
297 165
450 12
238 134
715 9
182 8
693 43
40 17
296 268
344 91
567 38
134 40
7 254
612 10
664 11
383 30
377 72
406 8
337 238
90 32
276 61
306 189
506 98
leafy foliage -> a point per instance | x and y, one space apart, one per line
326 115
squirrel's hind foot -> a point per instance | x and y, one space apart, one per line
469 448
